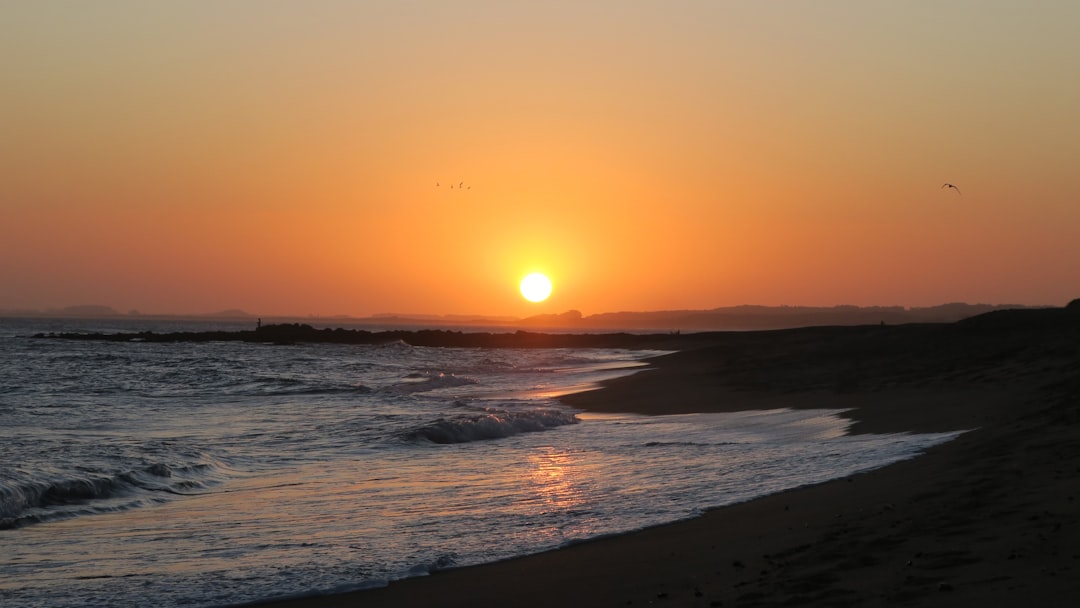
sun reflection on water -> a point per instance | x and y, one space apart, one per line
555 476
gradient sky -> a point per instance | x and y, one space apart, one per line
282 157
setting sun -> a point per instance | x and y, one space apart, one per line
536 287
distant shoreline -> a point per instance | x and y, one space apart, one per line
303 333
299 333
730 318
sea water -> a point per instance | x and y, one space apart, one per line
212 474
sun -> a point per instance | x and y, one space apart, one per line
536 287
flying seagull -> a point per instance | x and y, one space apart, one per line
948 185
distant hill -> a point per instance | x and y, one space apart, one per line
232 313
92 311
98 311
762 317
732 318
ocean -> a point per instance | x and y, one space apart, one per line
215 474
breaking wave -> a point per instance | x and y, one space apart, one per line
34 501
493 424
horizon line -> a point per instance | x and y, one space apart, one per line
105 311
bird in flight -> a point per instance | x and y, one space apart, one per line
948 185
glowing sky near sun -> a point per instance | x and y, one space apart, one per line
282 157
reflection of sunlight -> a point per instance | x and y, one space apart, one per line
554 477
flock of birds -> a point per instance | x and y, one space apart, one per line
460 186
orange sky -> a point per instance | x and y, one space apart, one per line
283 159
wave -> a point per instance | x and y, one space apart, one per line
419 382
284 386
679 444
395 346
493 424
26 502
442 562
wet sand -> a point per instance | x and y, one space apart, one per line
989 519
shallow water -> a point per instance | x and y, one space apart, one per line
219 473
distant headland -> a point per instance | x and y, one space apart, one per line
994 321
744 317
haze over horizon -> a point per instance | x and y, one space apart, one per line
715 318
296 160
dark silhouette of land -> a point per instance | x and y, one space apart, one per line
745 317
914 337
298 333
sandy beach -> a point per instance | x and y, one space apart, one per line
988 519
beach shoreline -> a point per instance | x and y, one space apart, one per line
985 519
